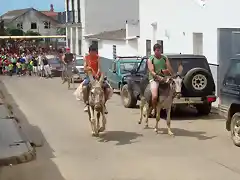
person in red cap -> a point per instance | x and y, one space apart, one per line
67 59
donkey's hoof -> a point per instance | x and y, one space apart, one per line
146 126
101 129
139 122
171 134
156 130
94 134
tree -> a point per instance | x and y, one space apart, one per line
32 33
61 31
15 32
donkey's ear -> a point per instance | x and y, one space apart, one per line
101 78
180 69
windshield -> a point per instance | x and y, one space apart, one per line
233 75
79 62
54 61
126 67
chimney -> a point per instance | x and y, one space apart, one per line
51 8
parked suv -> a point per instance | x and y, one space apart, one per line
198 87
230 99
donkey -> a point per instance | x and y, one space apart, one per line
96 105
167 92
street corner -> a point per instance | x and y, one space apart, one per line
14 147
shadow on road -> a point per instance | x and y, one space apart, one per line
43 168
200 135
121 137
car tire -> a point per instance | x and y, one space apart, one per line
235 121
204 109
128 99
198 82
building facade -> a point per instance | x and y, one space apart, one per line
90 17
31 19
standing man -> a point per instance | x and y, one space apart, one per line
46 67
158 66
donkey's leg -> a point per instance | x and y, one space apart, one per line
104 122
141 110
146 113
158 109
93 121
169 122
98 121
90 119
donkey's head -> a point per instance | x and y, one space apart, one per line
175 83
96 95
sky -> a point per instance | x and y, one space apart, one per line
7 5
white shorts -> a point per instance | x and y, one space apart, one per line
35 69
153 84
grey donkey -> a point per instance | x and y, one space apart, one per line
96 105
168 90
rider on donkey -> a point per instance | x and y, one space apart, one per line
158 66
92 63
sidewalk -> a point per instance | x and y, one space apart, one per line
14 147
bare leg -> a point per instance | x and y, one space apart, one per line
169 122
158 109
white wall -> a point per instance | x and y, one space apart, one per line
179 19
124 48
107 15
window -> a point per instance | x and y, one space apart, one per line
47 24
128 67
148 47
20 25
114 52
95 44
161 43
233 74
33 25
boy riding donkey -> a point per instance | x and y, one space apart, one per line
92 64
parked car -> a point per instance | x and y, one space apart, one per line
78 69
198 87
230 99
55 65
121 68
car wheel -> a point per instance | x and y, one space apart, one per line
128 99
198 82
204 109
235 129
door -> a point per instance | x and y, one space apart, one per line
198 43
113 76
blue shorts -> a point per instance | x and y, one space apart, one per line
86 81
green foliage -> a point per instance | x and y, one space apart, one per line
61 31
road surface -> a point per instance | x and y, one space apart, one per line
201 149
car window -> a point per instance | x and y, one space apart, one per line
189 63
79 62
126 67
142 67
233 74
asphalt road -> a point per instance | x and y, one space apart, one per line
200 150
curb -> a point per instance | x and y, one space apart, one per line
22 157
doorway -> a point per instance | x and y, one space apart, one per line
198 43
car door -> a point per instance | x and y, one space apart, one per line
230 91
113 76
